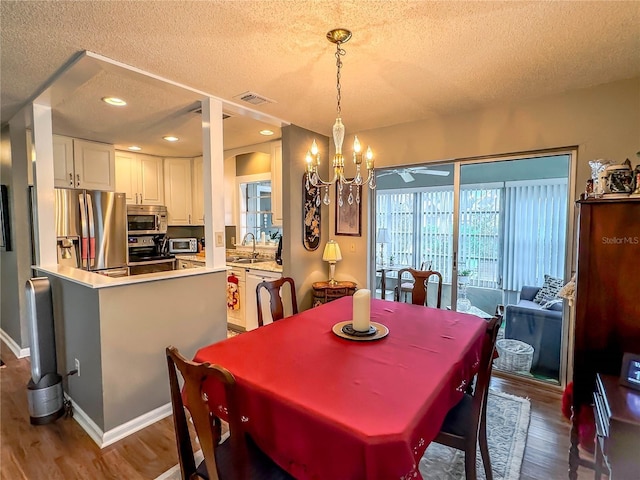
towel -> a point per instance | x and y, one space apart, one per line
233 295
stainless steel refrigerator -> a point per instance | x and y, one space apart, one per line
91 227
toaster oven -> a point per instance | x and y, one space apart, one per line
183 245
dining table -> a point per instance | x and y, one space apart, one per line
323 406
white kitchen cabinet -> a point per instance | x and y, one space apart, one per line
184 264
83 164
177 190
140 177
252 279
276 183
198 192
237 317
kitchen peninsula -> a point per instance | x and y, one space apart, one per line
118 328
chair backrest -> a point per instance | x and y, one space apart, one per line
419 291
275 299
481 389
207 424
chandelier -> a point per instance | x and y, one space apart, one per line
339 36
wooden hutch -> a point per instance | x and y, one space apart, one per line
607 300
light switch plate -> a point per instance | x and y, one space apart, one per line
219 239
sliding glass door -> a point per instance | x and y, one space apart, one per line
496 229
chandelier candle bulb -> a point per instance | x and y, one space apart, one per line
362 310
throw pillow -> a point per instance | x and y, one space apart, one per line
549 290
551 303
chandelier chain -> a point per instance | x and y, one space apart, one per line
340 52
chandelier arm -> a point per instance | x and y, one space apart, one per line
322 183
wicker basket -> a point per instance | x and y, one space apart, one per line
514 355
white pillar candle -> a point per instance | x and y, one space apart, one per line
362 310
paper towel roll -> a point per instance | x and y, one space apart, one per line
362 310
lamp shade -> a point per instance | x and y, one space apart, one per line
332 252
383 235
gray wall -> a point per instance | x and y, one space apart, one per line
119 335
304 266
15 265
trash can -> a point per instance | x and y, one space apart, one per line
513 356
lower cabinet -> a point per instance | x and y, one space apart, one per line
236 298
253 278
182 264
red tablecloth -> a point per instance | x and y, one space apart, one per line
327 408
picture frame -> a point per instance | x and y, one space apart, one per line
630 370
5 225
310 215
349 217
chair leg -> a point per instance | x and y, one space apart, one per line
470 463
484 451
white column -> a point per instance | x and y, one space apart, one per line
213 178
44 224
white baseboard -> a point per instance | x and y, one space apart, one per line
136 424
104 439
13 346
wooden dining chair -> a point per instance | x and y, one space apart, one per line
275 298
466 424
419 287
406 285
234 456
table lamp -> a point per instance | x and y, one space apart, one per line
332 255
383 237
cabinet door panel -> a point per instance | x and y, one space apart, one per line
63 176
151 185
198 193
127 167
177 181
94 165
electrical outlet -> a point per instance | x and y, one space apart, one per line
78 366
219 239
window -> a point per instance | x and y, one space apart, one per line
511 233
255 210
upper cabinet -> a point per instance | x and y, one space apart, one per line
83 164
198 192
276 183
177 190
140 177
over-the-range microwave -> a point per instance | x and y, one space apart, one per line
183 245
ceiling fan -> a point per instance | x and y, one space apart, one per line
407 174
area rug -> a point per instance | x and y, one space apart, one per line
507 426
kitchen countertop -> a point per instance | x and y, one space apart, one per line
269 266
95 280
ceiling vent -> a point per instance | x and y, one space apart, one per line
253 98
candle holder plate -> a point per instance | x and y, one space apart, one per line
376 331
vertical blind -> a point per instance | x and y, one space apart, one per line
511 234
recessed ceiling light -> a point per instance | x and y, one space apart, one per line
135 148
116 102
266 132
170 138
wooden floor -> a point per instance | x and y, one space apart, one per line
63 450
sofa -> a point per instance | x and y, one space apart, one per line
539 327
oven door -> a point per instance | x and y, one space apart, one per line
143 223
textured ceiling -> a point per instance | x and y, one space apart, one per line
407 60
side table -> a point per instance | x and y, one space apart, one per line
324 292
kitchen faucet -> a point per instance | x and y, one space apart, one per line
253 237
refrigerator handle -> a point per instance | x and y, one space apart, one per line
92 233
84 232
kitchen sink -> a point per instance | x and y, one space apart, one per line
246 260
